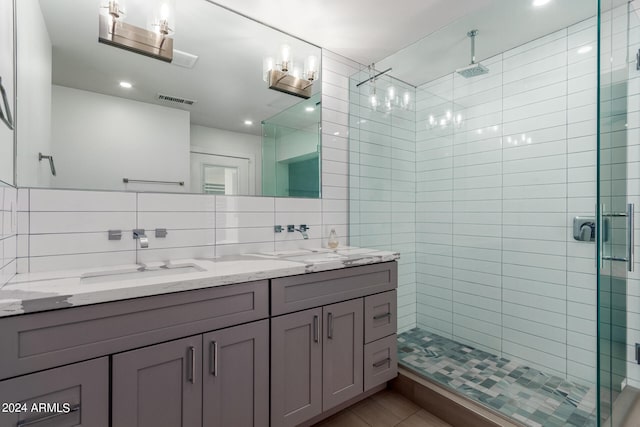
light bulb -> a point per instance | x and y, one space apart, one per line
539 3
164 12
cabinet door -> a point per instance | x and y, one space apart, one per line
236 376
296 367
78 395
159 385
342 352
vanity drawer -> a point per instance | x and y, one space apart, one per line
380 316
78 394
380 361
295 293
33 342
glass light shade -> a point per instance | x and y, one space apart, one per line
267 65
163 17
311 68
285 59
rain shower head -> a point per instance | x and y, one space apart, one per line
474 69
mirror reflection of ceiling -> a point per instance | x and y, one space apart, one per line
226 80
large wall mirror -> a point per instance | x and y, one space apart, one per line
174 97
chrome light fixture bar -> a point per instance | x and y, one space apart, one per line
288 83
114 32
285 77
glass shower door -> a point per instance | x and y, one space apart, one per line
618 165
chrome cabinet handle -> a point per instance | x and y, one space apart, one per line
192 366
382 362
316 329
34 421
330 326
213 350
381 316
7 119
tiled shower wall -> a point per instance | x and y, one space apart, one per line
8 232
504 163
61 229
383 181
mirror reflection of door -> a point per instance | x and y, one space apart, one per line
213 174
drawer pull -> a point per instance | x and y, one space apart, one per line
382 362
192 365
34 421
214 358
381 316
316 329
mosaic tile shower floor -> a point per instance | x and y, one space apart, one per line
522 393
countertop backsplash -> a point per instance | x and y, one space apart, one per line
67 229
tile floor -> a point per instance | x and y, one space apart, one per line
384 409
532 397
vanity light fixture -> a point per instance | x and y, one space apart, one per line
154 42
285 76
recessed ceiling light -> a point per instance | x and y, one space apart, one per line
248 122
309 109
585 49
538 3
126 85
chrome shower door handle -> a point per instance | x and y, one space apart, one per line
630 236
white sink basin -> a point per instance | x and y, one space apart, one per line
118 275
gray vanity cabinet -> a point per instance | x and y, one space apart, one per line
78 393
159 385
235 386
342 349
296 367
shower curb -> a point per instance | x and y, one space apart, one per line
449 406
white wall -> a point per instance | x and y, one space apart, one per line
383 185
233 144
7 74
34 95
97 140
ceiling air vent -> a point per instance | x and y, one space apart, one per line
175 99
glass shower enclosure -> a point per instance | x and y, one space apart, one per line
510 195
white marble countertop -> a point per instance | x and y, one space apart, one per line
34 292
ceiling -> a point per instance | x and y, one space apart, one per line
420 39
226 81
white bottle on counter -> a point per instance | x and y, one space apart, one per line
333 242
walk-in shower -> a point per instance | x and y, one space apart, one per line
477 182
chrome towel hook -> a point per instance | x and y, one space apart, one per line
51 165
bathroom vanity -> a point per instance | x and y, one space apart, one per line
227 346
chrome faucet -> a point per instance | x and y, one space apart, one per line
138 234
303 230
